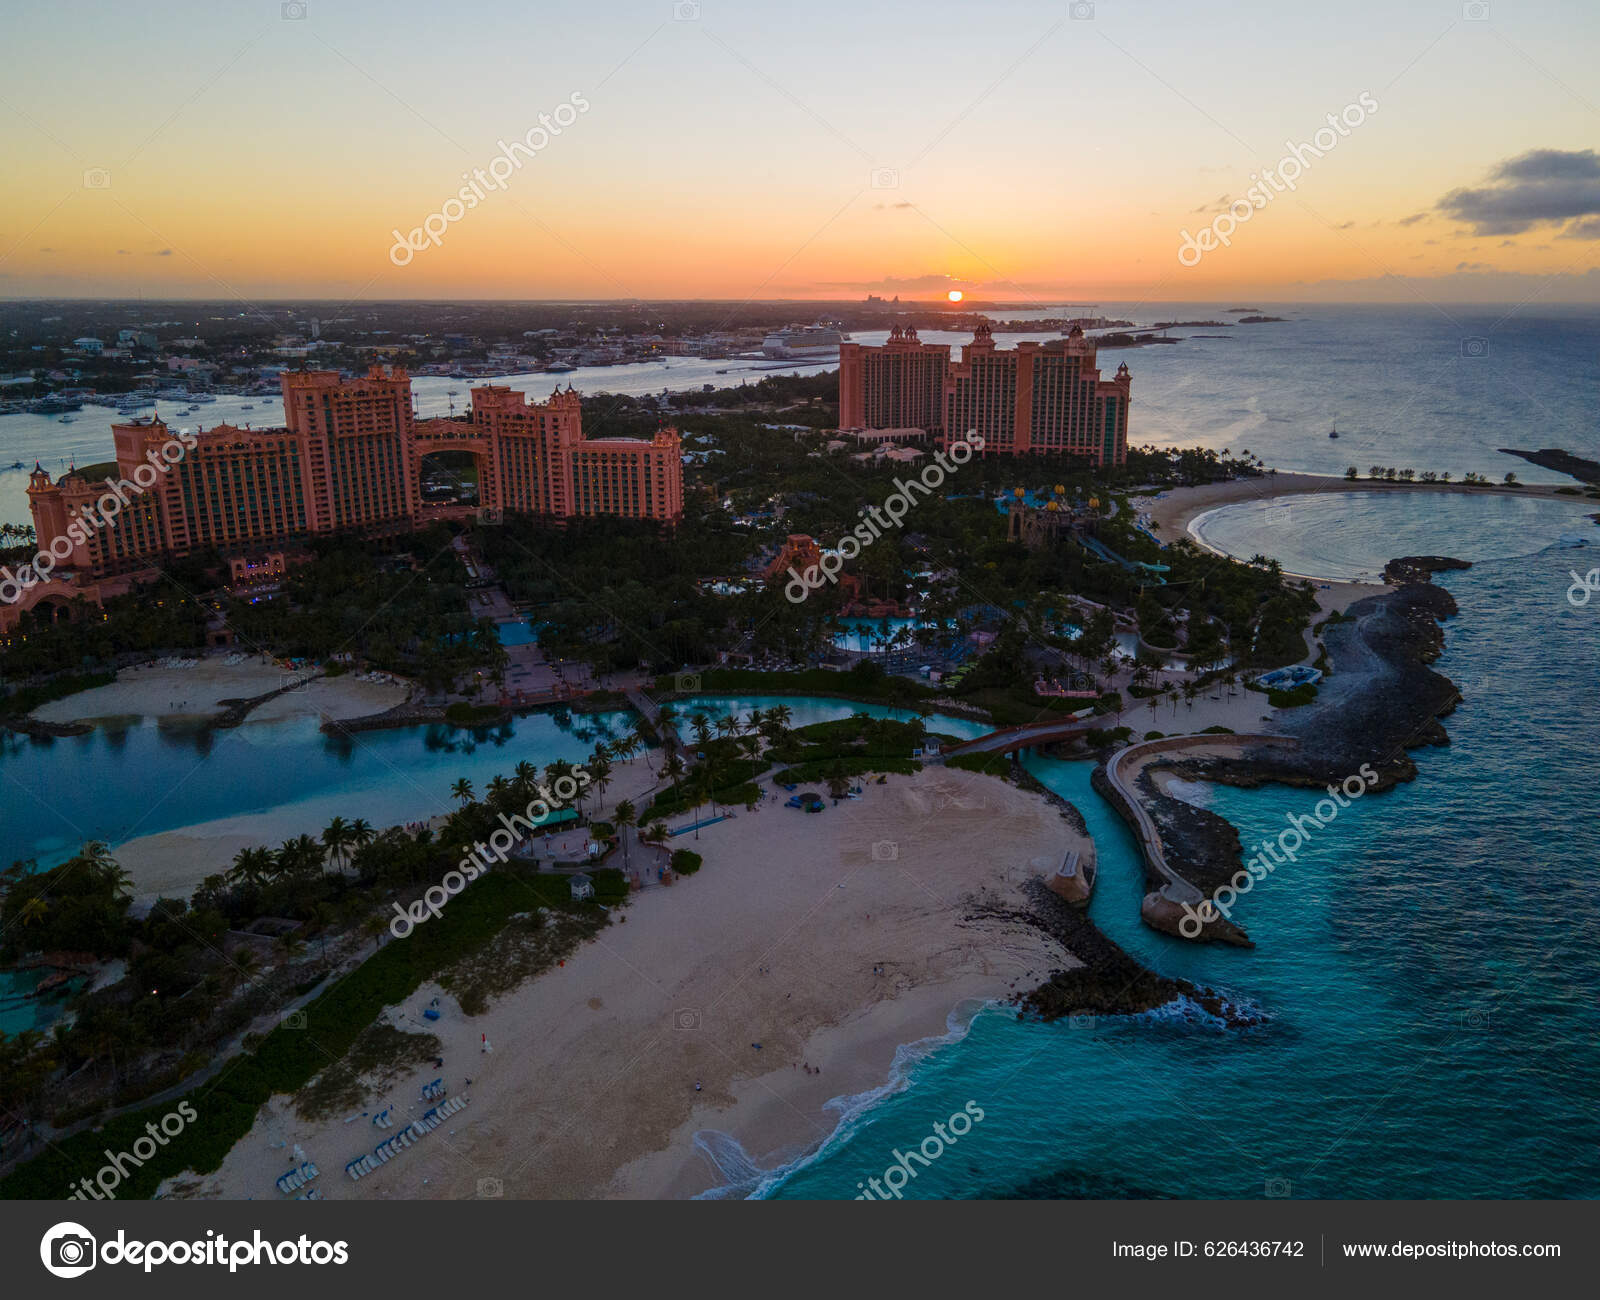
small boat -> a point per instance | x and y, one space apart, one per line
248 406
1333 432
65 419
722 372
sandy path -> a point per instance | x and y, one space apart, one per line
778 940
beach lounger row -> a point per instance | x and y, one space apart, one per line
418 1129
297 1178
383 1119
433 1091
312 1195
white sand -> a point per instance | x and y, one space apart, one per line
590 1088
153 691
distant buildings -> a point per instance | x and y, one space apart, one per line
349 456
1037 397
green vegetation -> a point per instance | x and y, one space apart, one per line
1292 698
446 948
685 862
29 698
853 746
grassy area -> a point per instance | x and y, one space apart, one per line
463 714
848 747
449 948
382 1055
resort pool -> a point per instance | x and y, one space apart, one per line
517 632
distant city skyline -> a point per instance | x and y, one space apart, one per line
1051 153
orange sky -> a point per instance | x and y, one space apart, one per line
198 150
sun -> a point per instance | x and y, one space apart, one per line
955 295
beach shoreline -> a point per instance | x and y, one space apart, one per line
792 970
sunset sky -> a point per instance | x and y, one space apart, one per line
1019 150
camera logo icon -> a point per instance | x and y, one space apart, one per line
294 1020
686 11
885 178
68 1250
1279 1188
885 851
490 1189
96 178
491 515
293 11
1474 346
686 1018
689 683
1081 10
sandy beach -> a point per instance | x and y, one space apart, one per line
805 943
195 691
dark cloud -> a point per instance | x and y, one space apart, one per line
165 252
1473 266
1588 228
1540 187
1413 219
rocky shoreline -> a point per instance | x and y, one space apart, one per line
1110 982
1380 701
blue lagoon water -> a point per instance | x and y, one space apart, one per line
1428 967
121 782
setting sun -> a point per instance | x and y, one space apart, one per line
955 295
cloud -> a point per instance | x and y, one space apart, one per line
1413 219
894 205
1344 225
165 252
124 252
1473 266
900 284
1588 228
1540 187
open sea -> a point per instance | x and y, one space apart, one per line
1429 967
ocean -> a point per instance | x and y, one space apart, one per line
1432 388
1427 969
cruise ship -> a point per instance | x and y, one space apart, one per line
809 341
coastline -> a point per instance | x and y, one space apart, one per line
805 935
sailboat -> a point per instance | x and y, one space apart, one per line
1333 432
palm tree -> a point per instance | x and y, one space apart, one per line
34 911
702 729
673 768
600 772
336 839
526 775
462 790
657 835
252 867
624 815
497 789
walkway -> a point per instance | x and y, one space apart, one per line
1125 800
1024 737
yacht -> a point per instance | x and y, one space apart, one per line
1333 432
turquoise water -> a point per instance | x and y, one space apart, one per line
1428 966
116 784
1332 536
517 632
